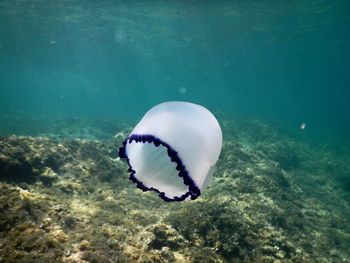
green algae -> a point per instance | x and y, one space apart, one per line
74 203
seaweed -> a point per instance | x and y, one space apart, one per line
273 199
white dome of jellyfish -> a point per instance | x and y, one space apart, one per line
173 150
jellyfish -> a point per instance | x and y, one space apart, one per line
173 150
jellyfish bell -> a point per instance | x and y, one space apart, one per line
173 150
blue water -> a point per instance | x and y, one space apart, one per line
284 61
77 75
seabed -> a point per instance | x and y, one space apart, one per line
65 197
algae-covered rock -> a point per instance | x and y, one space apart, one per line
23 238
166 237
273 199
15 169
217 226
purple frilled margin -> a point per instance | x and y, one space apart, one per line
193 190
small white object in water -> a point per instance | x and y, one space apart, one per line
173 150
182 90
302 126
120 36
119 134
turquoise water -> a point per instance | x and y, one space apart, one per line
283 61
77 75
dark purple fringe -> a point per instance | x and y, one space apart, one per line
193 192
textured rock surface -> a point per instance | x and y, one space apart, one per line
273 199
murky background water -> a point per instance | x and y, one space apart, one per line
77 75
287 62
